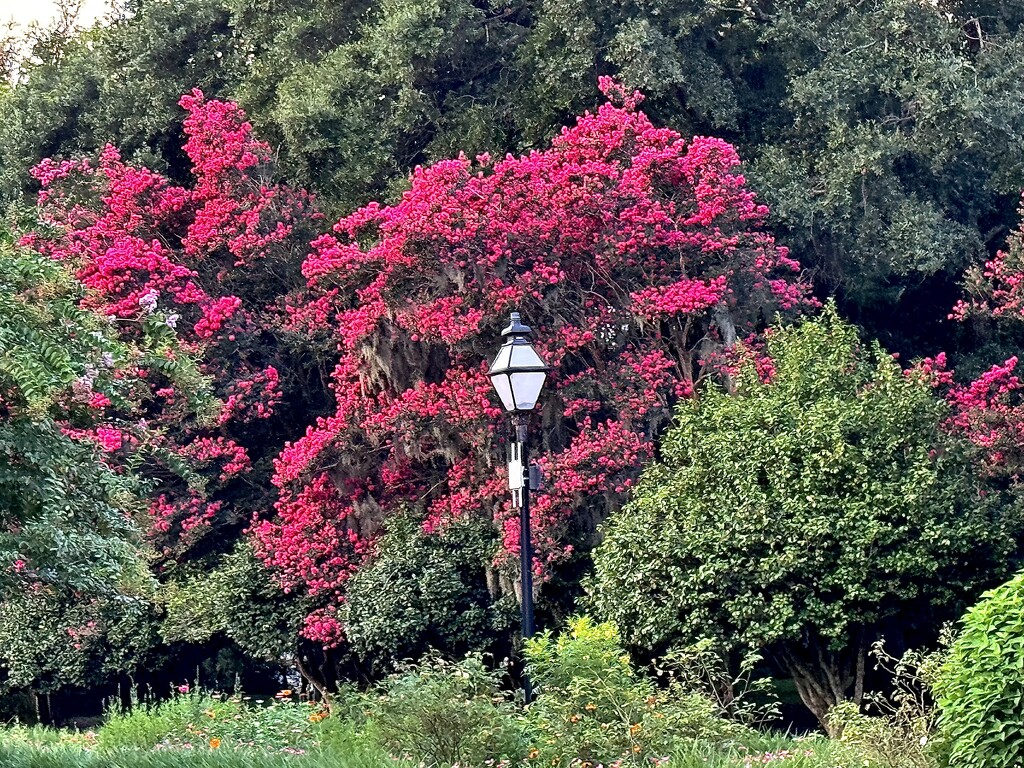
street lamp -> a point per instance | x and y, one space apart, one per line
518 374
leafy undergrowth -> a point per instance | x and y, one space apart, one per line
140 740
592 710
199 730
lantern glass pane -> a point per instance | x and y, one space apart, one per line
525 356
503 387
501 361
526 386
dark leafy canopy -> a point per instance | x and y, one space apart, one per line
373 88
894 153
49 642
119 84
798 515
236 599
886 135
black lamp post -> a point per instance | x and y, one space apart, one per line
518 374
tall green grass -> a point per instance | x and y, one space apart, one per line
22 756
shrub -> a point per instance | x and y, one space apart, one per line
593 707
421 592
980 689
737 695
879 742
444 712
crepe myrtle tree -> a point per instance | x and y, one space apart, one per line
636 254
209 261
795 516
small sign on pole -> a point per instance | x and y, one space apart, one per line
516 474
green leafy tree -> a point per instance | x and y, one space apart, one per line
118 82
801 514
889 149
63 510
370 89
75 589
236 599
49 643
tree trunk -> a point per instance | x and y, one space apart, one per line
43 714
726 326
316 682
823 677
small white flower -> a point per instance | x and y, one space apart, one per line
148 301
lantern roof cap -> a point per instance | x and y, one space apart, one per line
516 327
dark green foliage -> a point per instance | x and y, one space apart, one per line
980 689
885 135
75 607
797 516
421 592
49 641
62 510
371 89
236 598
893 154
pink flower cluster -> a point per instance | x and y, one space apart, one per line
252 398
146 247
110 439
988 412
312 543
323 626
174 520
215 314
232 458
997 289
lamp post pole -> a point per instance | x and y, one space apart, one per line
525 539
518 374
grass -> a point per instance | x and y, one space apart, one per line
200 731
339 745
26 756
174 735
64 756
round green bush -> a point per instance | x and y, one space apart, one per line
980 688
